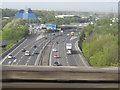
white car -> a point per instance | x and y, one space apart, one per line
68 34
54 50
10 57
27 53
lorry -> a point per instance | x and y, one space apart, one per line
68 48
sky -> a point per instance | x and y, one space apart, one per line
60 0
64 5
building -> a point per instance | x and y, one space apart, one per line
64 16
25 14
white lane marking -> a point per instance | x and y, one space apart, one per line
50 61
40 36
73 37
33 53
19 60
65 51
66 55
15 60
12 52
29 48
40 53
76 47
21 49
9 62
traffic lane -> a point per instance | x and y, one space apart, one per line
63 59
71 59
55 45
35 43
35 57
30 60
54 53
28 41
18 49
59 48
76 54
19 54
22 61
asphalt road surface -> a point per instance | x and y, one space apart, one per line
38 39
66 60
20 58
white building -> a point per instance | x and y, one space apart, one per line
63 16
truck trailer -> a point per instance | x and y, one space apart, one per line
68 48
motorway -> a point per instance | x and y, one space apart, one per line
66 60
20 58
38 39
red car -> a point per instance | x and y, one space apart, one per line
56 56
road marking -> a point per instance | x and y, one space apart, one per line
66 55
12 52
28 50
19 60
24 48
15 60
77 48
65 51
40 53
73 37
40 36
50 61
33 53
9 62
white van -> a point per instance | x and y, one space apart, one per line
27 53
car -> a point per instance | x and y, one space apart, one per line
57 43
36 52
54 50
54 34
45 37
59 65
55 63
23 50
68 34
27 53
56 56
10 57
34 46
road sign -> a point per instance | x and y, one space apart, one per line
51 26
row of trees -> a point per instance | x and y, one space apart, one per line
8 12
49 17
99 43
14 31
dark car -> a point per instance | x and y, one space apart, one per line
45 37
59 65
36 52
55 64
23 50
35 46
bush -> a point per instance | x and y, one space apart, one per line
101 44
